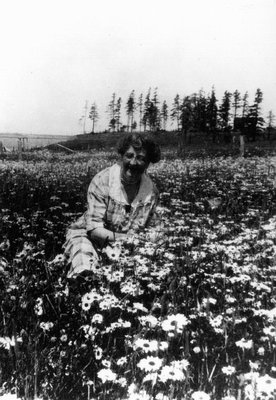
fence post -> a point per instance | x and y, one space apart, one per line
241 146
19 149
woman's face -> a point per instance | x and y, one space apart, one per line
134 163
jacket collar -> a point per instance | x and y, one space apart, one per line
116 191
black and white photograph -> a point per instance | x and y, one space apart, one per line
138 200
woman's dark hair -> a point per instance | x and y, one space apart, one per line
140 141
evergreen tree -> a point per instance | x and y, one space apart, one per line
254 120
224 110
118 114
236 105
140 108
200 111
111 112
155 118
212 111
146 111
151 117
270 118
94 116
130 109
186 119
176 111
245 105
164 114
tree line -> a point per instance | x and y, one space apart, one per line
198 112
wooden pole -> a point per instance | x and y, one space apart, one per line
66 148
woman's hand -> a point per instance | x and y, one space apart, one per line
122 237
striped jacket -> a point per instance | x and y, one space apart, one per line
108 207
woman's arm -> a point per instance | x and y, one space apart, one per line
102 236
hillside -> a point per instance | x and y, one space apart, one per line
196 143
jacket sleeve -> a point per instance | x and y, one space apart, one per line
97 198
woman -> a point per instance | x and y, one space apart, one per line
121 201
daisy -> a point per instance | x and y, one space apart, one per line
149 321
244 344
122 382
229 370
106 374
97 319
175 323
169 372
181 364
150 363
196 350
106 363
63 337
271 331
85 306
199 395
161 396
116 276
121 361
163 346
151 377
113 252
98 353
139 306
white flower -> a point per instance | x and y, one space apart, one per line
121 361
106 363
150 363
64 337
88 331
170 372
229 370
175 323
7 342
142 395
208 301
38 310
97 319
113 252
163 346
271 331
139 306
254 366
39 301
244 344
116 276
266 384
196 349
9 396
161 396
122 381
58 259
149 321
46 326
106 374
199 395
217 321
151 377
180 364
148 346
98 353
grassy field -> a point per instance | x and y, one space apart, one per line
190 317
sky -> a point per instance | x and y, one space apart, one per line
56 55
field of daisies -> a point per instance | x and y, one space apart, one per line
189 314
